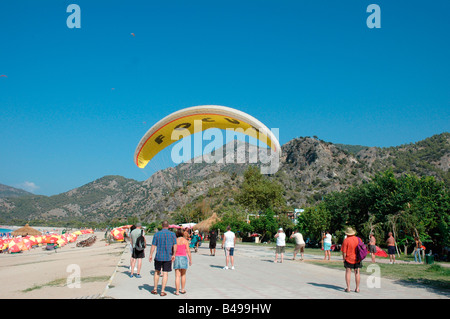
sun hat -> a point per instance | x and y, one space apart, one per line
280 229
196 231
350 231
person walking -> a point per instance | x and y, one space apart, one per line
299 244
228 243
327 245
417 249
281 244
195 241
349 256
136 255
165 244
372 247
133 227
391 248
182 259
212 242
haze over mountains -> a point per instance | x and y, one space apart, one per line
309 169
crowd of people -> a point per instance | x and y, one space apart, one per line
170 250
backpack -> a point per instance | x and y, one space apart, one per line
140 242
361 250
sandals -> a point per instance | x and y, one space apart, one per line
155 292
348 290
182 292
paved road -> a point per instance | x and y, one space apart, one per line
257 277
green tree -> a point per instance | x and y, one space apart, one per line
258 193
408 206
314 221
236 219
265 224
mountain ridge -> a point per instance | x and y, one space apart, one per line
309 169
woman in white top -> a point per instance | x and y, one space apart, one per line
281 244
327 245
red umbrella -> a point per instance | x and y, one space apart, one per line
51 239
14 246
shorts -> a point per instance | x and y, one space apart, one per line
352 266
137 254
326 246
212 245
181 262
300 248
280 249
229 251
372 249
391 250
164 265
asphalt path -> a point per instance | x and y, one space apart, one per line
256 276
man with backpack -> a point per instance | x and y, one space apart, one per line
352 258
138 244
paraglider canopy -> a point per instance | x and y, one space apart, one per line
159 136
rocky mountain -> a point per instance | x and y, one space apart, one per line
8 191
309 169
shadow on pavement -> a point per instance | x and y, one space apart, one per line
326 286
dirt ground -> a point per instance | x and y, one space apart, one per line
69 272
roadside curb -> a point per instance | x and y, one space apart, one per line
103 295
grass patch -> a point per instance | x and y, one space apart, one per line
433 276
61 282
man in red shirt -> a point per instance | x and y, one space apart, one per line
349 255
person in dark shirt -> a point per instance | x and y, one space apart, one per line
212 242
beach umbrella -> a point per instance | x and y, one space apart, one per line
26 244
117 233
5 244
33 240
205 225
73 237
61 242
39 240
14 247
26 230
52 239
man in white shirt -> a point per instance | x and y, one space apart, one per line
299 244
228 242
281 244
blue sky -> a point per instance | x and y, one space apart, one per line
75 102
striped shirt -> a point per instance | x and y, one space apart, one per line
164 240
